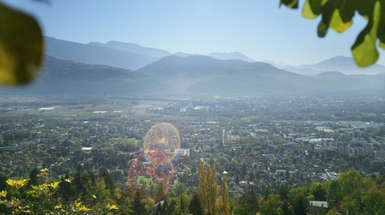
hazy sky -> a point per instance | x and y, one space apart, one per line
257 28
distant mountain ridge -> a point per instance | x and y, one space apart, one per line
230 56
133 48
345 65
65 77
205 75
91 54
202 75
133 56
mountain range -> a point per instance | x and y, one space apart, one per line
132 48
230 56
202 75
110 54
125 69
341 64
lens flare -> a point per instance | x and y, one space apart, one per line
161 143
149 181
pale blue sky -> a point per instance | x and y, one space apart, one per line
257 28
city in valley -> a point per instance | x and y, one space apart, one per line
260 143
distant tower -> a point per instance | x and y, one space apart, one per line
223 136
229 136
268 140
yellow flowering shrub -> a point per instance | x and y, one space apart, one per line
43 172
54 185
38 190
80 207
83 209
32 193
112 207
3 193
16 183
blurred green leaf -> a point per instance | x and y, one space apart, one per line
381 26
322 29
364 8
316 5
327 14
307 11
338 15
290 3
337 24
347 11
382 45
364 49
21 47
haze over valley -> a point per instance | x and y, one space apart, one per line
127 69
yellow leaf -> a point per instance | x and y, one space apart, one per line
83 209
337 24
112 207
3 193
58 207
78 204
16 183
44 170
33 192
307 12
364 50
54 185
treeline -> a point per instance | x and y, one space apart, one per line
87 193
350 194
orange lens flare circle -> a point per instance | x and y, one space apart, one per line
147 181
161 143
